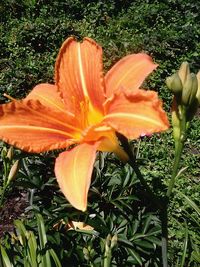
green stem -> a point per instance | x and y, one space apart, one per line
175 168
178 151
108 252
107 259
162 204
132 162
164 227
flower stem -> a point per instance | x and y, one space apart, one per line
161 204
178 151
164 227
132 162
175 168
108 252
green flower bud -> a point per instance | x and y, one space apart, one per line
4 152
184 71
189 90
174 83
196 103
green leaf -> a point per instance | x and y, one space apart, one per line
5 258
55 258
153 240
196 256
32 244
190 202
21 232
144 244
146 224
45 259
135 255
184 247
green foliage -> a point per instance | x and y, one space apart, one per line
31 33
29 249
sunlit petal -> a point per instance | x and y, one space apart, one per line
79 74
136 114
129 72
49 96
32 127
73 225
108 141
73 171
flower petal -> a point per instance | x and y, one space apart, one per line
78 73
73 171
49 96
30 126
136 114
129 72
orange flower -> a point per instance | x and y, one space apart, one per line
86 109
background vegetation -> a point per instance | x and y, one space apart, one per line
31 32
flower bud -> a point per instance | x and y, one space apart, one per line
189 89
4 152
174 83
13 171
10 153
184 71
198 90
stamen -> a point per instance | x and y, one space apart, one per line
9 97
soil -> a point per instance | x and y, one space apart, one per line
12 209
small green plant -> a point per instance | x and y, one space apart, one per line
29 249
9 172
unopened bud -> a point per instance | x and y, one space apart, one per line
10 153
184 71
86 253
198 90
196 103
4 152
174 83
13 171
189 90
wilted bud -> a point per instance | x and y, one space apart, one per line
13 171
189 90
113 241
10 153
174 83
184 71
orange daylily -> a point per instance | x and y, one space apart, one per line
85 109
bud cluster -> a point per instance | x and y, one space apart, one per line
186 89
